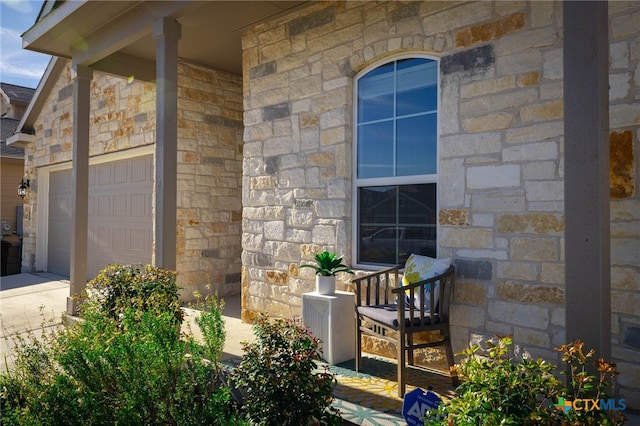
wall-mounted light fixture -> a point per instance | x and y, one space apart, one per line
23 188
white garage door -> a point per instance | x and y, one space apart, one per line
120 224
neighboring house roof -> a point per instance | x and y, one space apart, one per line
7 128
47 82
17 94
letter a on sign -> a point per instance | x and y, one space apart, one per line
415 405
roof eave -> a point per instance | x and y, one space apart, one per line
46 84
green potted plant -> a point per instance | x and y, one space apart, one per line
326 267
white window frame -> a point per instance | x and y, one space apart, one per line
389 181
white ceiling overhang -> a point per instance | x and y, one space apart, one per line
116 36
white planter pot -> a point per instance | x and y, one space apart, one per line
325 284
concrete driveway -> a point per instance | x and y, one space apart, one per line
37 302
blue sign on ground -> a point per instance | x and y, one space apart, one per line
415 405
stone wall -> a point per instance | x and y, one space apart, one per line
501 185
624 121
209 180
209 162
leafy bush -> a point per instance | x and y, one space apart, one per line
280 375
133 368
585 385
497 389
143 288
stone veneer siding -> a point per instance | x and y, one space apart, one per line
501 159
209 162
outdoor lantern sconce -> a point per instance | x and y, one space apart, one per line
23 187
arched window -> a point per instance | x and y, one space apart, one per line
396 141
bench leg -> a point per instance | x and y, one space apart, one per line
450 360
358 345
401 365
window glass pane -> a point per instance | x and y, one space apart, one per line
395 221
375 94
375 150
416 145
416 86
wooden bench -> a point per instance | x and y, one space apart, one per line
390 312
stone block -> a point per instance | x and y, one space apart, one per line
483 220
622 164
552 67
619 56
558 317
541 14
519 314
552 273
534 249
625 209
531 223
452 176
631 337
470 144
509 201
629 374
499 102
529 79
623 116
275 112
624 251
313 20
454 217
519 62
470 293
552 190
527 40
492 30
466 238
531 337
539 170
517 271
487 86
404 12
497 254
513 291
475 59
499 328
487 123
623 278
467 316
474 269
532 152
619 86
489 177
624 302
547 111
535 133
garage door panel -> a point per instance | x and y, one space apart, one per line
59 238
121 173
120 224
104 174
120 240
104 206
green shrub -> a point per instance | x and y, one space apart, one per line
136 370
498 389
143 288
282 379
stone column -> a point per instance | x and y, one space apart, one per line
80 180
586 127
166 31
